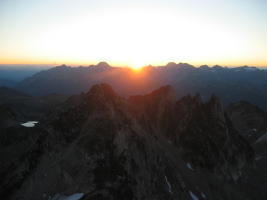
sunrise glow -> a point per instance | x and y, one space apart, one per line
137 68
140 31
138 65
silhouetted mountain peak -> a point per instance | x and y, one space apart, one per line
189 103
149 68
216 106
197 98
185 65
101 97
102 90
171 64
217 67
165 93
246 68
155 100
214 97
204 67
60 68
103 65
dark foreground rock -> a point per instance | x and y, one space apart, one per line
144 147
251 122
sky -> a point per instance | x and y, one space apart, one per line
134 33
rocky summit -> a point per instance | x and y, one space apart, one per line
104 146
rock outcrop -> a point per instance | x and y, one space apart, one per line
248 119
251 122
144 147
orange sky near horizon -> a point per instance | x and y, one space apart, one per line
134 65
134 33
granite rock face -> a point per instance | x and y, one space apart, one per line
144 147
251 122
201 130
248 119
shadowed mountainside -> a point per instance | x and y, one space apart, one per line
251 122
6 82
26 107
144 147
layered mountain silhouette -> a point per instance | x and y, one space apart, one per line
11 74
144 147
230 84
26 107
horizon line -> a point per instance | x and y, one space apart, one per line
125 66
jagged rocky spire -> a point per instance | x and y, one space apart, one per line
141 148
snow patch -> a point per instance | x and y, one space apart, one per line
75 196
203 195
258 158
194 197
170 142
29 124
189 166
254 129
262 138
169 185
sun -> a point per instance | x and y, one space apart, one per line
137 66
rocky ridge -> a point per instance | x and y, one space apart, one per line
145 147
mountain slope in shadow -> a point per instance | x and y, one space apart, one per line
144 147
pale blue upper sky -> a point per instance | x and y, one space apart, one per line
229 32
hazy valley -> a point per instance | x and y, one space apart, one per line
171 132
230 84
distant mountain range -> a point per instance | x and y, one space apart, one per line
16 73
230 84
